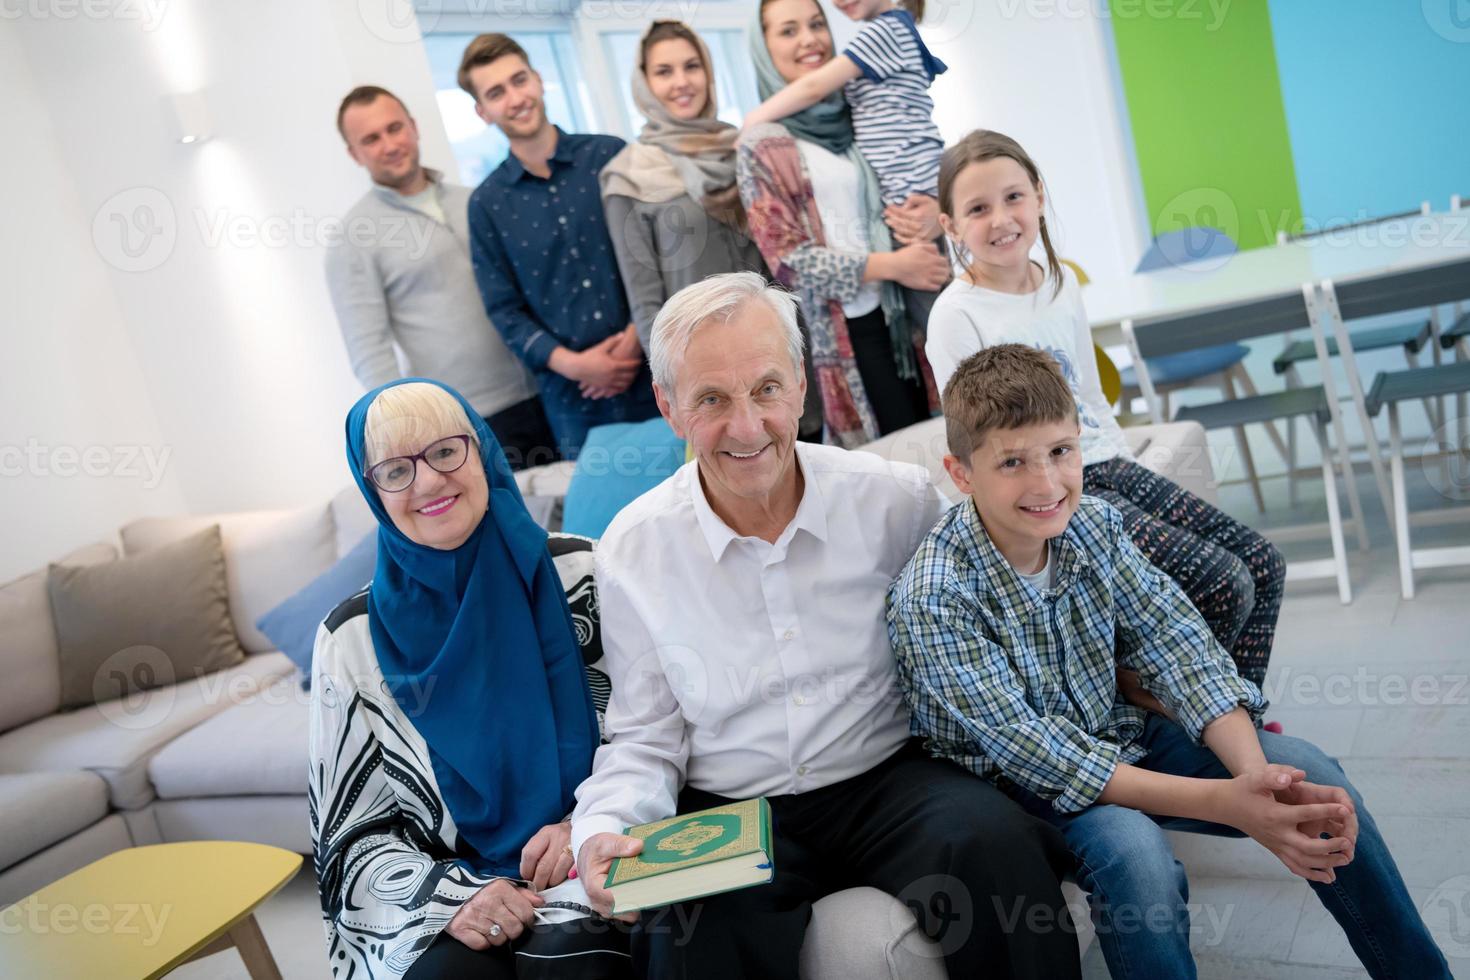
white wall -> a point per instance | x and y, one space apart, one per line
215 339
81 449
1043 73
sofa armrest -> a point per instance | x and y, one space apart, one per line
1179 451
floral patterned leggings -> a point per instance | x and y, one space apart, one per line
1232 574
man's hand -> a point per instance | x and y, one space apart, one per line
601 372
547 857
1132 689
499 903
628 345
1248 802
915 220
592 866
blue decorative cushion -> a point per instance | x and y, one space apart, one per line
292 625
618 463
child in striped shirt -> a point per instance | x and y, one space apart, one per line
885 75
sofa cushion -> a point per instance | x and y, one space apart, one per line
864 932
145 621
550 480
115 739
269 555
617 464
28 659
1177 450
107 836
292 625
254 748
42 808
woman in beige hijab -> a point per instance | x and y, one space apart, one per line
673 209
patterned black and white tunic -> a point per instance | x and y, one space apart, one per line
384 844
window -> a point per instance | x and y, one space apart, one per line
734 74
479 148
585 57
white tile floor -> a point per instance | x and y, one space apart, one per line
1343 676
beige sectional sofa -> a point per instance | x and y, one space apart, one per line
224 756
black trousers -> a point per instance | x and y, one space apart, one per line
896 403
524 433
982 877
585 949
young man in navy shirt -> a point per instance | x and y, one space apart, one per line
542 255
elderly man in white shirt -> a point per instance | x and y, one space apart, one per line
742 618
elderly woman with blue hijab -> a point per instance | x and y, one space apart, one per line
452 716
815 211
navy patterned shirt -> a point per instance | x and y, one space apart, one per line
544 260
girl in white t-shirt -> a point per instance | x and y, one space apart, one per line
991 204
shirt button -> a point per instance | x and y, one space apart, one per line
799 700
802 770
597 314
788 635
562 219
586 283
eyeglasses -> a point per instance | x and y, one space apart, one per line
397 473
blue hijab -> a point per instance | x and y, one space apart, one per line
478 648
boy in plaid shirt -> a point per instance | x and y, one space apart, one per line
1019 626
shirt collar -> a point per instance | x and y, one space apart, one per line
396 199
1066 551
512 170
811 512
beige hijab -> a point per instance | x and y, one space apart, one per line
676 156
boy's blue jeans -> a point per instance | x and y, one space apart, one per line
1138 891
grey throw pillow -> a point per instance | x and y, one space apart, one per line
143 622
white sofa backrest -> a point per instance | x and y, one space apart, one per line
29 660
923 443
270 555
353 518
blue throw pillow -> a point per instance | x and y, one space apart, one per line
618 463
292 625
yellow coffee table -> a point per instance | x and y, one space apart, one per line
140 913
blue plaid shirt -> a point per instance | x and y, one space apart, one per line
1005 679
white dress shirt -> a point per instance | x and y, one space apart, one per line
743 667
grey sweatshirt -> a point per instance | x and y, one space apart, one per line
398 275
662 248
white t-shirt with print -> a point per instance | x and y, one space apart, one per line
966 318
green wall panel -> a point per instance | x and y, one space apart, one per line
1209 128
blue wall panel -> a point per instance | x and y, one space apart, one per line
1377 97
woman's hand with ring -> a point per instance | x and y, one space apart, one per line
494 915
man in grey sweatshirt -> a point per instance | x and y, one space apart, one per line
400 273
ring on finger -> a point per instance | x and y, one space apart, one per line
495 930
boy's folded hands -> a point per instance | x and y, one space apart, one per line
1288 816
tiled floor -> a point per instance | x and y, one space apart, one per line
1383 684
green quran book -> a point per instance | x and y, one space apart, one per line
694 855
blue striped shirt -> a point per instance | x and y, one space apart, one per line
1008 680
891 109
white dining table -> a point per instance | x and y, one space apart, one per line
1359 253
1343 255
